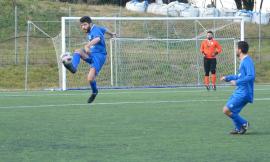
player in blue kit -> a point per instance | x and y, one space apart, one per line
94 52
244 91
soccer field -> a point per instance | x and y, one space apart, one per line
136 125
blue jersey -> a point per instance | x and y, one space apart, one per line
244 80
97 31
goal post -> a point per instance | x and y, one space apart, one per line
153 51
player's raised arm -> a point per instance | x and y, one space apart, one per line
112 34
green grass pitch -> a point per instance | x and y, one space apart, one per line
139 125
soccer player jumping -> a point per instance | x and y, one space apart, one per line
94 52
243 93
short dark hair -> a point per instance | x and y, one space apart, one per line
243 46
86 19
210 32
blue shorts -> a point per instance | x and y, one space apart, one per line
236 104
97 61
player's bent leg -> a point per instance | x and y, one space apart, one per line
91 79
241 125
73 65
239 104
70 68
67 61
82 53
228 112
76 59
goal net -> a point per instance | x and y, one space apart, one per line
152 51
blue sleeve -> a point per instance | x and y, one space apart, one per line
96 33
250 74
229 78
99 32
103 30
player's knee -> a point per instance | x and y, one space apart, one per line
226 111
90 79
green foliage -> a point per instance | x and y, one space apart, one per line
262 71
12 76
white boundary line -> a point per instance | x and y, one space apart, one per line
113 93
257 87
120 103
103 93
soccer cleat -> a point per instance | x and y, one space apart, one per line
242 131
70 67
214 87
92 97
207 87
244 128
235 131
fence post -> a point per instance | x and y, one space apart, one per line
27 56
16 35
260 36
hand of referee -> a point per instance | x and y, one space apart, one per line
214 54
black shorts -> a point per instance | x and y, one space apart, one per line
210 65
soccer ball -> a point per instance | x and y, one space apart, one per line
66 58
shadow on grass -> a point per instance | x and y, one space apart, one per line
252 133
